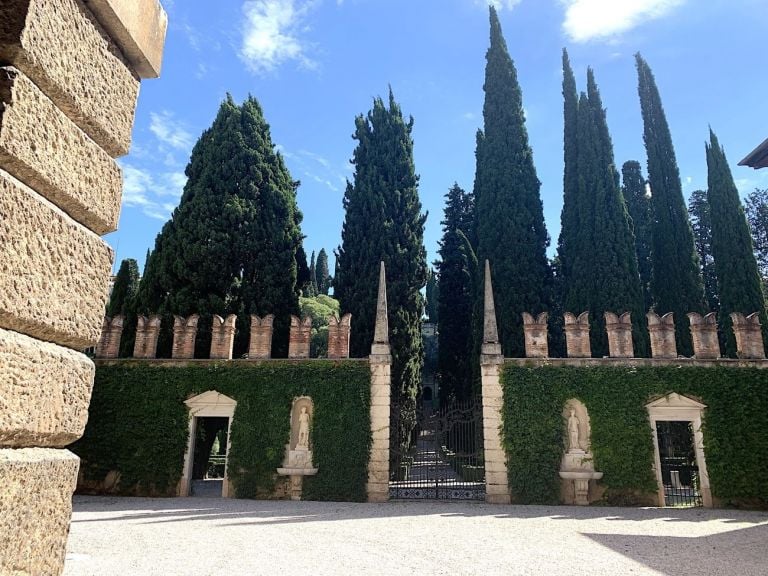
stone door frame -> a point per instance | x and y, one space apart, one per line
676 408
209 404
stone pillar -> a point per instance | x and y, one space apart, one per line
298 342
381 386
577 335
619 330
223 337
184 336
111 334
662 333
147 332
491 361
704 334
338 336
68 89
749 336
261 337
535 329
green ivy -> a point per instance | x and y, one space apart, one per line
735 427
138 423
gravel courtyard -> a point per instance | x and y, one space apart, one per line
198 536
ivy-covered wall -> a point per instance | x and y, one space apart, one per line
138 423
735 427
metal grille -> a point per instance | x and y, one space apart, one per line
679 471
441 457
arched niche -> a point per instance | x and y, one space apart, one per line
585 431
209 404
298 404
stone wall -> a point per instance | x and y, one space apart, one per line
69 79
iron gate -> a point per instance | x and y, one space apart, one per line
438 454
679 471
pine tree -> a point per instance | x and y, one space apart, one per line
639 206
323 276
432 296
230 246
509 220
383 221
456 276
676 283
701 223
600 268
738 280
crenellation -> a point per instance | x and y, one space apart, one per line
704 334
184 336
749 336
577 335
111 334
261 336
662 332
619 330
338 336
536 341
223 337
301 332
147 333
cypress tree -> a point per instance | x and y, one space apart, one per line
756 208
230 246
456 276
676 283
312 289
639 206
302 270
738 280
569 217
383 221
430 306
323 276
701 223
509 220
600 268
125 287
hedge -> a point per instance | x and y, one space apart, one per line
138 423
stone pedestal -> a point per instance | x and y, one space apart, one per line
297 465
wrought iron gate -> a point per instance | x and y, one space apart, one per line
679 471
439 454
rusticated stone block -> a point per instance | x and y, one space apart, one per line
535 329
111 334
65 51
704 335
44 149
662 332
53 271
184 336
44 392
338 336
749 336
223 337
36 501
261 337
147 332
298 342
619 330
138 27
577 335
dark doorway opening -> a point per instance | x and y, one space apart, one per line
210 456
679 469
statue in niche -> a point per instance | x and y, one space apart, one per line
573 431
303 442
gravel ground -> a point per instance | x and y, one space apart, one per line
199 536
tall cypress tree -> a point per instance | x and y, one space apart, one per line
600 268
509 219
456 272
738 280
701 223
125 287
230 246
302 270
676 283
312 288
323 276
383 221
432 296
639 206
569 217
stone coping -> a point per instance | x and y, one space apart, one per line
179 362
632 362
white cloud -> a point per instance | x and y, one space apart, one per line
272 33
498 4
169 131
605 19
150 193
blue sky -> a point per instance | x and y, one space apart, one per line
315 64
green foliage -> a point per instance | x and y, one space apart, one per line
756 207
138 424
676 282
323 276
303 273
599 263
701 222
509 221
639 207
383 221
534 434
738 279
319 308
231 244
432 297
123 301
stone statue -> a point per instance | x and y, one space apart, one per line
573 431
303 442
